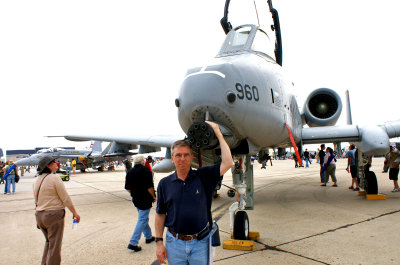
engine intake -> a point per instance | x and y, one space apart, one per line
322 108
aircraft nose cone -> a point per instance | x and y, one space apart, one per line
29 161
201 92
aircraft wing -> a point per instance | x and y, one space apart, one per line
371 139
145 141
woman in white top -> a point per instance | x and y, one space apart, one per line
329 166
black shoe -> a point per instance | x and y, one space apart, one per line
134 248
148 241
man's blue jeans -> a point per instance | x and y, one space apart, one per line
193 252
10 181
322 175
307 162
142 226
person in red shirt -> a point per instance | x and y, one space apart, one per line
148 163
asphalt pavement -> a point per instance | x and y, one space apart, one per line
299 221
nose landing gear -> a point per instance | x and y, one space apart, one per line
242 174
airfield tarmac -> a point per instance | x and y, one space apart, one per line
299 221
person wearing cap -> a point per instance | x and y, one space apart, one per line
51 198
184 204
139 183
394 167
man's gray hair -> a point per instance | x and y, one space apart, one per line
180 143
139 159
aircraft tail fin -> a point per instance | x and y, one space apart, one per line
96 146
349 118
107 149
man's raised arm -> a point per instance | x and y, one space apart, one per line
227 161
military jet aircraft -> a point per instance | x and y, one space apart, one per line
94 157
245 91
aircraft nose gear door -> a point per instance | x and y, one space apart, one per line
242 174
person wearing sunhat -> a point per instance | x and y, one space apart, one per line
51 198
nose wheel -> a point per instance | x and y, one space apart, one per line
241 226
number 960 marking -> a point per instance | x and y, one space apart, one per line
247 92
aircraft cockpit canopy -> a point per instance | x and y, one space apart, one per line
248 37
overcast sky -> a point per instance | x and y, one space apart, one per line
115 67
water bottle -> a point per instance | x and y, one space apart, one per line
75 224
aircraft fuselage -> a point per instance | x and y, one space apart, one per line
244 92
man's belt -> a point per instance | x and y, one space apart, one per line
202 234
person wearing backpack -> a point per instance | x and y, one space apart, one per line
11 179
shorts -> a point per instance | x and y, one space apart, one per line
353 171
393 173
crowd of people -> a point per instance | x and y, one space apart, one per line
326 158
176 196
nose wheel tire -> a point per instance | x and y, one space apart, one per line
241 226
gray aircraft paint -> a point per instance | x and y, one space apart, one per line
258 116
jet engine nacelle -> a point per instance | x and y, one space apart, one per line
322 108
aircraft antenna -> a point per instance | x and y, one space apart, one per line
255 7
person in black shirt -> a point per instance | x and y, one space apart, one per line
321 155
128 165
306 155
139 183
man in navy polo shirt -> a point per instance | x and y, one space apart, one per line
182 204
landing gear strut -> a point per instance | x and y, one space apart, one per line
242 173
368 179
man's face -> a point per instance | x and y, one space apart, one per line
182 158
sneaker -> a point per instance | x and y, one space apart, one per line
134 248
394 190
351 188
356 189
148 241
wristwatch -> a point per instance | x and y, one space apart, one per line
159 239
